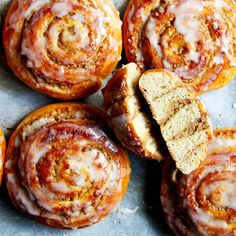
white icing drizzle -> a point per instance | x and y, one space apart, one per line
34 6
130 16
87 166
225 48
80 181
227 194
193 56
114 175
218 143
186 19
168 66
21 195
61 9
30 129
139 13
221 4
209 220
99 134
218 59
60 187
153 37
38 152
215 25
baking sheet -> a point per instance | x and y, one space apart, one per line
140 212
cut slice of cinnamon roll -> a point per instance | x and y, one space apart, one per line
2 153
194 39
203 202
183 118
63 167
64 48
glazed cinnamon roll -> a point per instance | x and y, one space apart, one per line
64 48
194 39
203 202
64 169
2 153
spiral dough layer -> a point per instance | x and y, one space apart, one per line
63 169
203 202
64 48
193 38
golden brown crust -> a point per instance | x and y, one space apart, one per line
203 203
63 167
117 88
202 52
63 50
123 104
2 153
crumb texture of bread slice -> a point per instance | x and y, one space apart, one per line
128 115
181 115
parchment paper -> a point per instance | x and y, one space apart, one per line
140 212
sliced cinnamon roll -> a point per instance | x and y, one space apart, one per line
203 202
2 153
129 115
63 168
194 39
183 119
64 48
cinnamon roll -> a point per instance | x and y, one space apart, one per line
203 202
65 48
63 167
129 116
194 39
2 153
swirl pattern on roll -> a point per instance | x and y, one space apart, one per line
64 48
194 39
2 153
63 168
203 202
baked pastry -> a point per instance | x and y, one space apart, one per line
64 48
203 202
63 168
194 39
181 115
130 121
2 153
